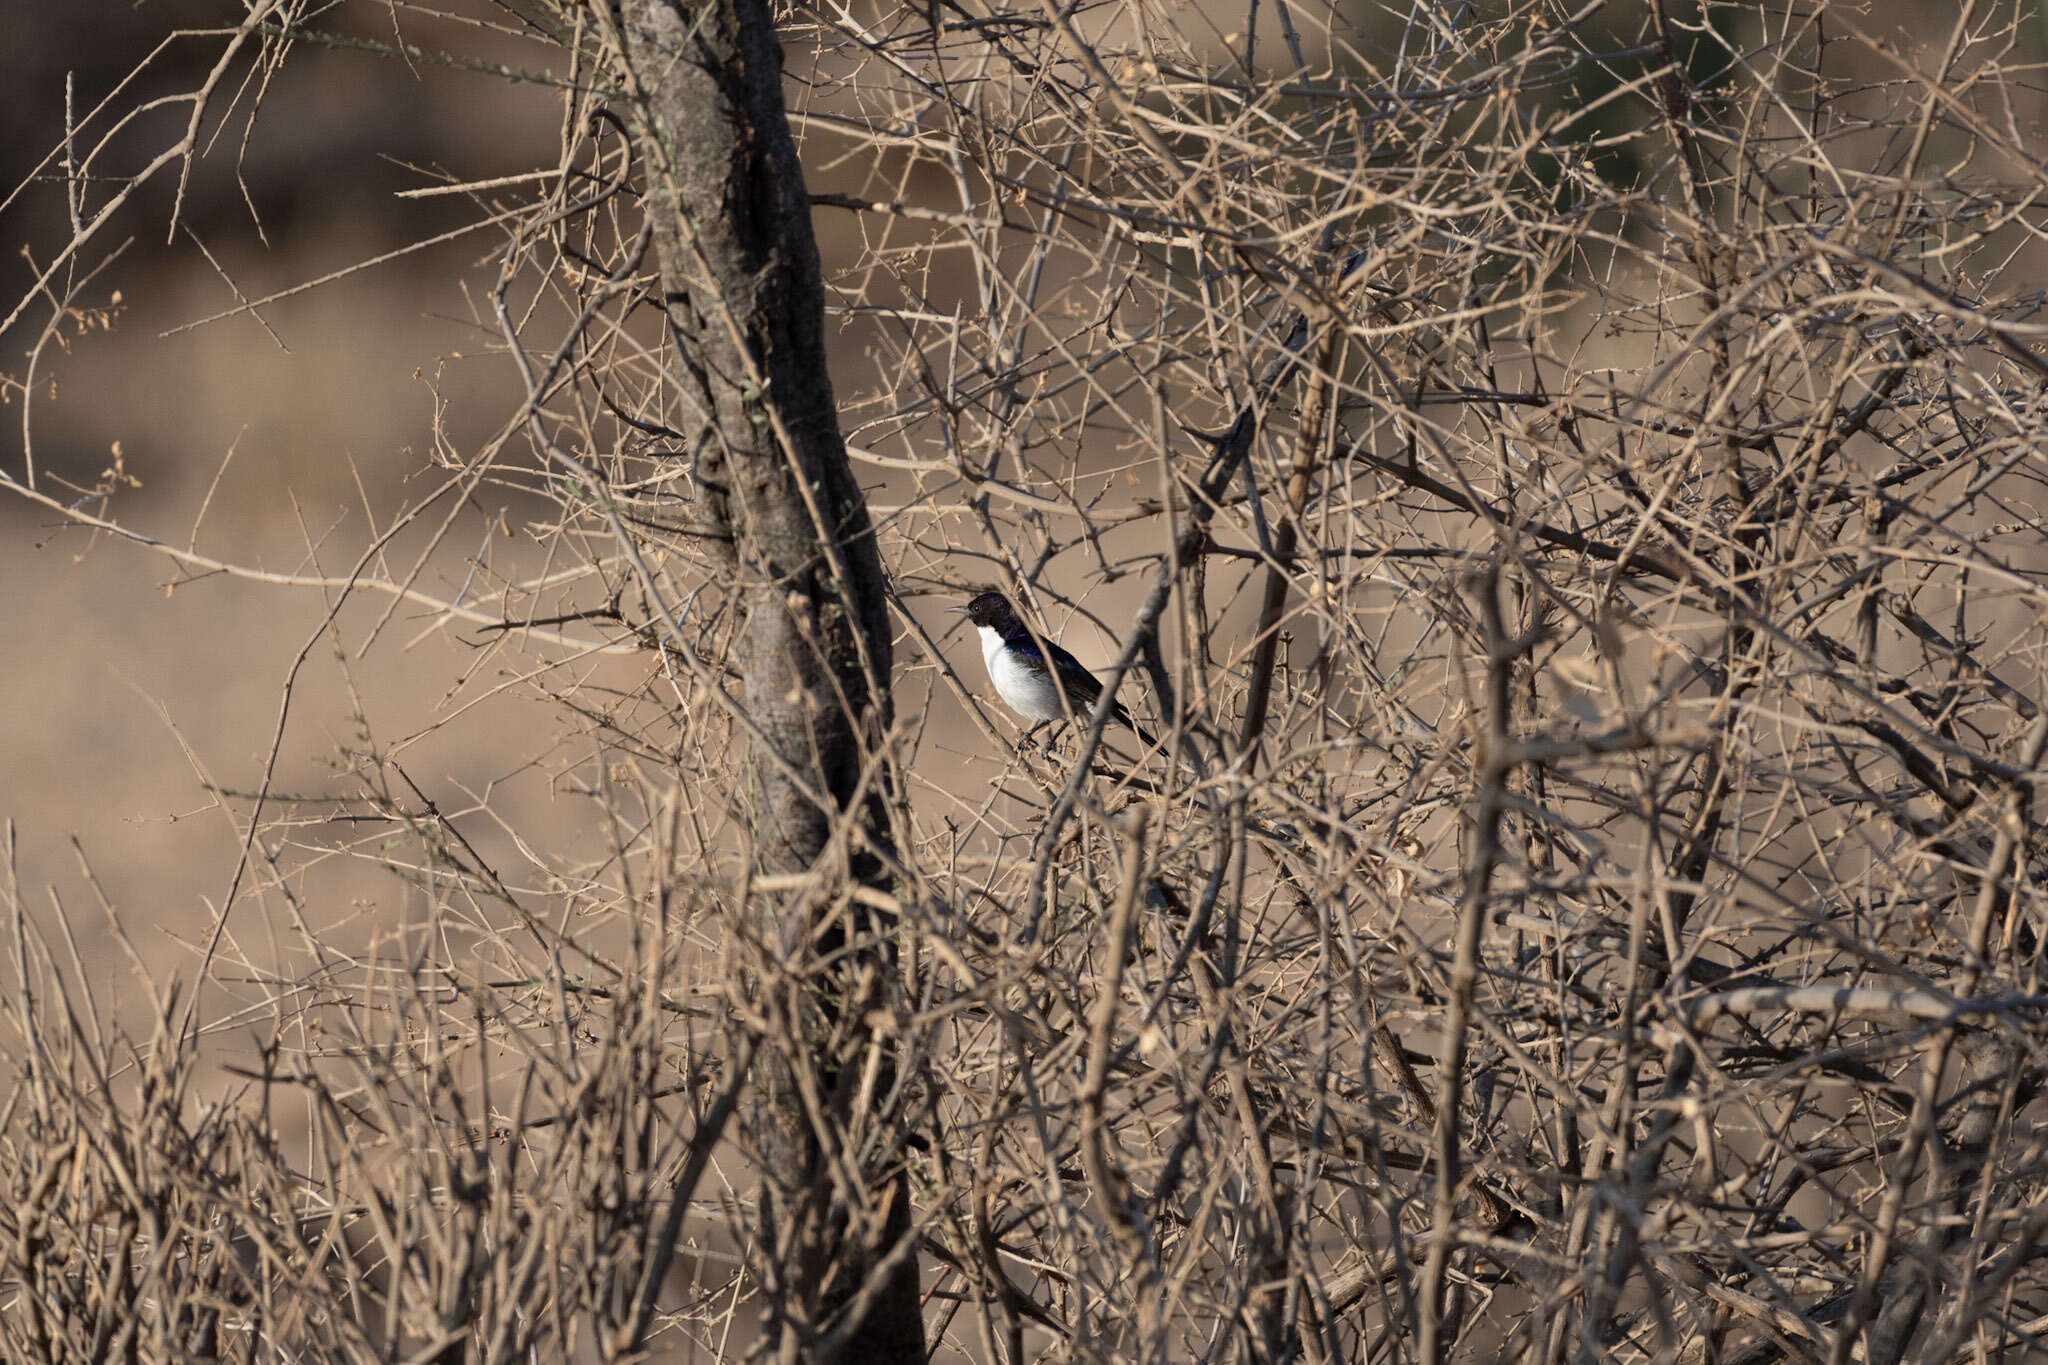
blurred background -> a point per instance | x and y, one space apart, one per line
133 688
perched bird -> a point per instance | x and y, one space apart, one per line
1031 676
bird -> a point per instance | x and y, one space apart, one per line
1030 674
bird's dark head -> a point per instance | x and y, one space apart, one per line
990 609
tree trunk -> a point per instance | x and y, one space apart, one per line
745 305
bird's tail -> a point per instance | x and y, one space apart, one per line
1123 718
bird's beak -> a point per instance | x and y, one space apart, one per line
957 608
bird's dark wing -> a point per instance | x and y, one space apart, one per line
1074 674
1025 650
1082 687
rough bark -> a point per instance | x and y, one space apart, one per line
739 267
